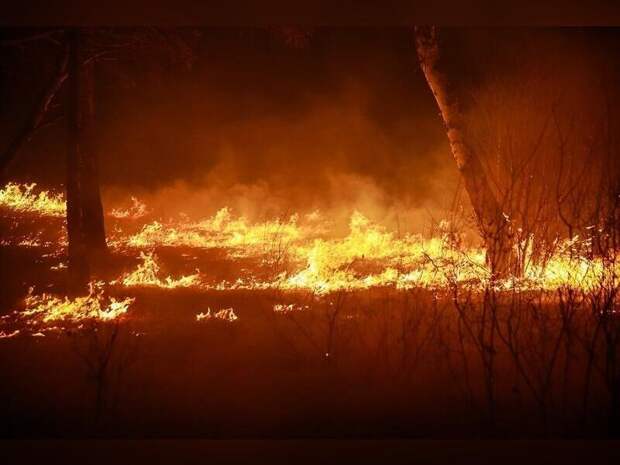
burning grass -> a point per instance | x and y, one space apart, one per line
135 211
301 254
49 308
44 312
147 275
224 314
401 307
23 199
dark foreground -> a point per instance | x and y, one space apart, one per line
315 451
372 364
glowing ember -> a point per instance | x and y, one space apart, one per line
8 335
225 314
283 308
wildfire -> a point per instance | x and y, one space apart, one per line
223 231
225 314
135 211
146 274
21 198
24 198
289 308
46 311
300 253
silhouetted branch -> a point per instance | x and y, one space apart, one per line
36 118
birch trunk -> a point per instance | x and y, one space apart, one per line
491 221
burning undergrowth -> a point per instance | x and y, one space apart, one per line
298 253
41 313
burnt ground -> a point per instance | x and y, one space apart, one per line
265 374
367 364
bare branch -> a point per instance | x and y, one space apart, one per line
31 38
36 118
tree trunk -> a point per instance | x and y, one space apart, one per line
92 209
78 267
490 218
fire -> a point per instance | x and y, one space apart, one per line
146 274
299 253
409 261
289 308
225 314
318 264
222 231
45 311
24 198
8 335
21 198
135 211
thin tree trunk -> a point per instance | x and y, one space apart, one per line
78 267
491 221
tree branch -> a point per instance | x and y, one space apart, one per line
35 119
31 38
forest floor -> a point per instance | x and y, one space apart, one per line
375 363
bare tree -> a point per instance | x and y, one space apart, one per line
490 218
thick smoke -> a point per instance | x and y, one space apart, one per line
344 123
341 126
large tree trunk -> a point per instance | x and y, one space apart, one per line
492 222
92 209
85 224
78 267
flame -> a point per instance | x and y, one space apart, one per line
323 265
225 314
47 308
135 211
21 198
221 231
8 335
146 274
300 253
289 308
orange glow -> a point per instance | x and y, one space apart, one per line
48 312
23 199
300 254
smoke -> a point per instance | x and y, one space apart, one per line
344 123
351 126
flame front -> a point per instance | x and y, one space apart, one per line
300 254
146 274
21 198
45 312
